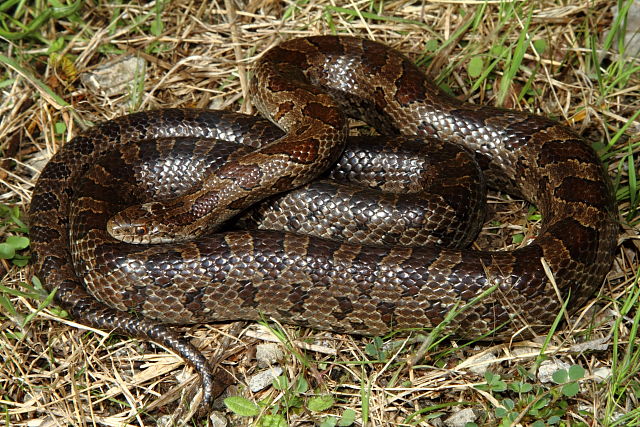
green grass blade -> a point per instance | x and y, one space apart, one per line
44 90
516 61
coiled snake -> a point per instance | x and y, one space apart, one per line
304 85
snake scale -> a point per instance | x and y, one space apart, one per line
304 86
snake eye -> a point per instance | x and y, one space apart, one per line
141 230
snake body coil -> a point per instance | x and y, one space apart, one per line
303 85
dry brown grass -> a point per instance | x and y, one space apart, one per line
57 372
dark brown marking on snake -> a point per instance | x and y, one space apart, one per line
300 131
283 183
330 47
44 233
574 189
297 298
49 202
85 146
522 128
287 56
303 153
239 203
377 57
327 115
411 85
386 310
247 293
59 171
247 176
284 109
345 307
582 239
557 151
379 100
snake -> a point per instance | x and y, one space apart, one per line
307 88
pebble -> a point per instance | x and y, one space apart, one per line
461 418
548 367
263 379
601 374
481 363
268 354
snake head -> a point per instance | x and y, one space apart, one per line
142 224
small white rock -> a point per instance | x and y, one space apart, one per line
436 422
461 418
183 375
632 27
548 367
598 344
165 421
263 379
481 363
47 421
217 420
585 407
115 77
268 354
522 352
601 374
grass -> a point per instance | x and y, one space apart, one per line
550 57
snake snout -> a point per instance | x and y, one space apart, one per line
138 225
144 224
122 226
